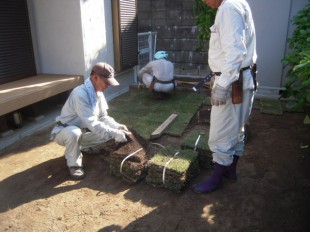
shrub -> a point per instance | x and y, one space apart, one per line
298 61
204 20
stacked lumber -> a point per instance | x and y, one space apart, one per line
129 160
172 172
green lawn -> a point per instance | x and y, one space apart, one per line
139 110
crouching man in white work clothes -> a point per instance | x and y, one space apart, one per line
158 75
84 121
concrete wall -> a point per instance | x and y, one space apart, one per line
69 36
174 21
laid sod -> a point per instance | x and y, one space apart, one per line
271 106
198 140
138 109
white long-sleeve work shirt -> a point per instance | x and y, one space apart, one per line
232 43
163 70
79 112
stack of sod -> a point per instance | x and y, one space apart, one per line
130 168
103 149
201 146
174 175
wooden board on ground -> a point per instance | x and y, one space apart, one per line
160 130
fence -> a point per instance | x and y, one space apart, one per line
146 47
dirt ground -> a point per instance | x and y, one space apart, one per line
272 192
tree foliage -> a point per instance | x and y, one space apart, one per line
204 20
298 61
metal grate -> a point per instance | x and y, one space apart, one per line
146 47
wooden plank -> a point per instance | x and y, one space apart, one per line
18 94
160 130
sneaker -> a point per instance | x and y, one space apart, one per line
76 173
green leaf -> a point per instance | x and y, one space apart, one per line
307 120
298 61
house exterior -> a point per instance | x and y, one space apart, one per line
42 38
67 37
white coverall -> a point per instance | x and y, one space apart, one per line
232 47
78 113
163 70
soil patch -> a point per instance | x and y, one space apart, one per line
271 194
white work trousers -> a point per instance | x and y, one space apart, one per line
226 137
74 140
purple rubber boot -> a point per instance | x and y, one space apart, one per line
231 172
214 182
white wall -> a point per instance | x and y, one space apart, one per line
272 23
97 29
97 26
70 36
57 33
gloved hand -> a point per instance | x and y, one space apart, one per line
120 137
218 95
123 127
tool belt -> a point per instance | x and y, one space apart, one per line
61 124
237 86
65 125
155 80
254 72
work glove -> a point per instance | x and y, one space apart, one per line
218 95
123 127
120 137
